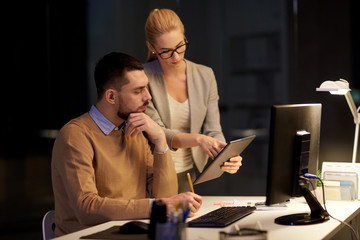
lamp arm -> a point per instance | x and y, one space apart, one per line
356 139
355 113
352 107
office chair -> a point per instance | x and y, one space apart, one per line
48 225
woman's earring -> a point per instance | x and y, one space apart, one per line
152 52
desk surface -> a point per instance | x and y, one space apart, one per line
342 210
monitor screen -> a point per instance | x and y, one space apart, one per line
293 151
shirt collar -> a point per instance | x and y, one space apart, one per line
103 123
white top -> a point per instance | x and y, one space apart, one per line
180 120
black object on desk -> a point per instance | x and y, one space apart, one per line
221 217
113 233
158 215
134 227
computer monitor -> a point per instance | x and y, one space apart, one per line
293 151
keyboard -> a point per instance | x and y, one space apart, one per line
221 217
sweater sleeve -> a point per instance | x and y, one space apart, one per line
164 181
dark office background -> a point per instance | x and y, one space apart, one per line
263 52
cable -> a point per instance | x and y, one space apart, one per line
308 176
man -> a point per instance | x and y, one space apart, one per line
102 165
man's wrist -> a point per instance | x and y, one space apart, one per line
161 152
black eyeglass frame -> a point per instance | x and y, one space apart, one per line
173 50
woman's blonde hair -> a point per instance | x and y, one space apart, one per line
161 21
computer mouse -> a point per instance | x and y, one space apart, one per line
134 227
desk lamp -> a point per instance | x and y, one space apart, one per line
341 87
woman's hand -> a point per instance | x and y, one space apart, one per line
211 146
233 165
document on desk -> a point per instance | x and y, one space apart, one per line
342 168
260 206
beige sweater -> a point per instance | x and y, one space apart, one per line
97 178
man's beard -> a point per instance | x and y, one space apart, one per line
125 114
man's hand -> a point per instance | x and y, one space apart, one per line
211 146
192 200
139 122
233 165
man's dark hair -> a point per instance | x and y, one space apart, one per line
110 71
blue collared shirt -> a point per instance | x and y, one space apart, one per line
106 126
103 123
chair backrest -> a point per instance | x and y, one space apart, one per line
48 225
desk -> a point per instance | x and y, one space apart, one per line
348 211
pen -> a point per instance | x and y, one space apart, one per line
190 183
186 214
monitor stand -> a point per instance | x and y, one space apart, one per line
317 215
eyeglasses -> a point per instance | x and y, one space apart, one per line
169 53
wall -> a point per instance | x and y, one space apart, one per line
44 85
323 40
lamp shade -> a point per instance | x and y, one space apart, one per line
340 87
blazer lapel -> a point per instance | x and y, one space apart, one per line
158 88
191 95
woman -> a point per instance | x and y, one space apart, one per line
185 98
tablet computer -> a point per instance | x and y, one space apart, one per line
234 148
